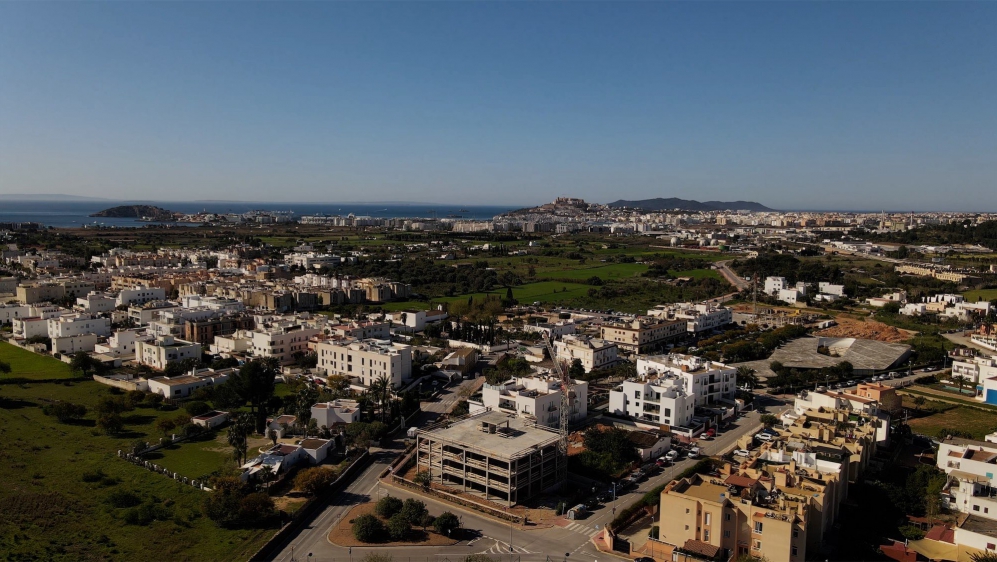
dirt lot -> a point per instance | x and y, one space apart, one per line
867 329
342 533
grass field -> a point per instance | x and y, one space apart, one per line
51 513
544 291
407 305
198 458
28 365
950 416
697 274
604 272
985 294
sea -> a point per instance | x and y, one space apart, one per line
74 214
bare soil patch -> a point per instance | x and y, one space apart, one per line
342 533
868 329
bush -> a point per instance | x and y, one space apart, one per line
446 523
110 424
413 511
368 528
387 506
256 507
136 397
152 400
123 498
398 527
113 405
66 412
196 408
313 480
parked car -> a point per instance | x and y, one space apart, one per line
694 452
762 436
672 455
741 453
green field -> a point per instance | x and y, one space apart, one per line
51 513
197 458
406 305
942 416
697 274
604 272
544 291
25 364
985 294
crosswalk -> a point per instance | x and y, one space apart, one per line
582 529
500 547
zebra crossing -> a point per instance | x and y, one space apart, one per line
501 547
582 529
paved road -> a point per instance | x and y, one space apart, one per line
486 535
734 279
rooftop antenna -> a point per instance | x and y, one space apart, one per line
562 442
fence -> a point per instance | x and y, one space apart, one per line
137 460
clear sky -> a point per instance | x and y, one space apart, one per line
808 105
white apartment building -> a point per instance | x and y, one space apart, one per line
537 398
151 311
215 304
976 369
702 317
95 303
365 361
363 330
312 260
971 466
282 342
8 312
140 295
668 388
165 350
78 324
122 343
775 284
30 327
826 288
328 414
414 320
642 335
592 352
68 345
238 343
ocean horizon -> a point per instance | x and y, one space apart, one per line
74 214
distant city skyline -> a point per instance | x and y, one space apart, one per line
845 106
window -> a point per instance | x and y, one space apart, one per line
686 527
796 534
708 518
726 517
991 546
726 534
687 510
756 545
758 527
976 508
795 551
706 535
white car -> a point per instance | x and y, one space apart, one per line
671 455
694 452
763 436
741 453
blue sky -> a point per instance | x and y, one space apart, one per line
842 105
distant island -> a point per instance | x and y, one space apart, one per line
148 212
663 204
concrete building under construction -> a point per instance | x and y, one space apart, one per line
500 457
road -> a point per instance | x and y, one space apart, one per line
486 535
733 278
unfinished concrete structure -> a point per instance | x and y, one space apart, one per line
500 457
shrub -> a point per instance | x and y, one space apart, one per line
153 400
66 412
113 405
446 523
313 480
197 407
398 527
413 510
388 506
256 507
136 397
368 528
110 424
123 498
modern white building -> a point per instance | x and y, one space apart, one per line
96 302
165 350
977 370
668 388
140 295
698 317
8 312
826 288
68 345
122 343
328 414
553 330
537 398
971 467
365 361
78 324
184 385
282 342
775 284
414 320
593 353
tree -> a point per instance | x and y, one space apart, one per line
919 401
238 436
272 434
305 399
423 478
446 523
398 527
196 407
67 412
313 480
110 424
368 528
4 367
83 363
388 506
746 376
256 507
255 384
413 510
576 371
984 556
960 381
768 420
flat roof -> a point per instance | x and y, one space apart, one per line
705 490
522 436
983 526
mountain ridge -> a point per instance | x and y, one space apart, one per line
669 203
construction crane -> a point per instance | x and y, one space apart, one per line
562 442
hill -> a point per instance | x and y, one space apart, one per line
666 204
137 212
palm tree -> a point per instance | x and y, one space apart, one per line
267 473
747 374
960 381
238 435
381 393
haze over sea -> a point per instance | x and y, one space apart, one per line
70 214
